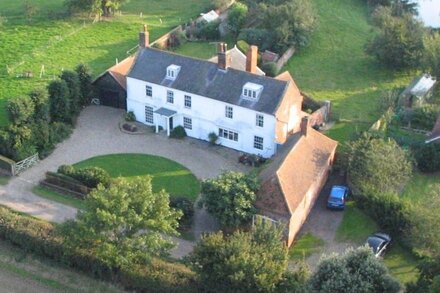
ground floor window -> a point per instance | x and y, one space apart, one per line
258 142
228 134
187 123
149 118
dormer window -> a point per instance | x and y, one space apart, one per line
252 90
172 71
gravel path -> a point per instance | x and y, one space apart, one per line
16 283
324 223
97 133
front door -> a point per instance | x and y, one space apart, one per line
171 123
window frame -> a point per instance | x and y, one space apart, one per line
149 89
187 101
170 97
259 145
187 123
259 120
147 120
228 134
229 112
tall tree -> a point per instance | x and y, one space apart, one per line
431 57
125 223
254 261
96 7
378 164
85 82
399 44
59 101
355 271
72 81
230 198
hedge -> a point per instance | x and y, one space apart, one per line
40 237
89 176
6 164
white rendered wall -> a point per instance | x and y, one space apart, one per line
207 116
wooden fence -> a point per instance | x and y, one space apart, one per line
12 168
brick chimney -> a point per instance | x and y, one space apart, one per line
224 60
251 59
304 125
144 38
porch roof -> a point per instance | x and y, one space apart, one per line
165 112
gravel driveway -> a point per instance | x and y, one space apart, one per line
97 133
324 223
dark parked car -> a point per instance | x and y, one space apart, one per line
338 196
379 242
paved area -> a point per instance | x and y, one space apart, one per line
97 133
324 223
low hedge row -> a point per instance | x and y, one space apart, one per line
66 182
40 237
89 176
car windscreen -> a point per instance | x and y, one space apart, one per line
374 243
335 199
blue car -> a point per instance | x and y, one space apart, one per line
337 197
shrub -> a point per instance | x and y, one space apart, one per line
424 117
92 176
41 103
20 110
72 81
59 102
243 46
187 208
41 238
85 83
209 31
270 68
212 137
66 170
237 17
59 131
262 38
428 157
130 117
220 4
178 132
41 139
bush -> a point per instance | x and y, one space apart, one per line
40 100
59 131
243 46
41 238
428 157
424 117
262 38
212 137
270 68
41 139
59 102
20 110
220 4
209 31
130 117
237 17
178 132
89 176
85 83
72 81
187 208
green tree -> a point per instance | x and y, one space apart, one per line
230 198
59 102
85 83
254 261
355 271
124 224
72 81
429 278
41 103
431 57
428 157
237 17
399 44
20 110
378 164
97 7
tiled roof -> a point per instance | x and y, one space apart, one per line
300 163
204 78
119 71
238 60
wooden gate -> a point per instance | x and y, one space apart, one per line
24 164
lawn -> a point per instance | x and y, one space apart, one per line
4 180
169 175
305 246
420 185
356 227
59 42
58 197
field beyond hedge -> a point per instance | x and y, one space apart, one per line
59 42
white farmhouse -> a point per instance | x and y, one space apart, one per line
249 112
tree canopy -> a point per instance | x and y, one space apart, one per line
431 57
355 271
125 223
378 164
96 7
230 198
254 261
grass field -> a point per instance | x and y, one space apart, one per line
167 174
306 245
63 43
31 270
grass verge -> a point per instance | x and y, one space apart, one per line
402 264
305 246
4 180
58 197
166 174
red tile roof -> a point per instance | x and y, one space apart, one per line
120 71
286 181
